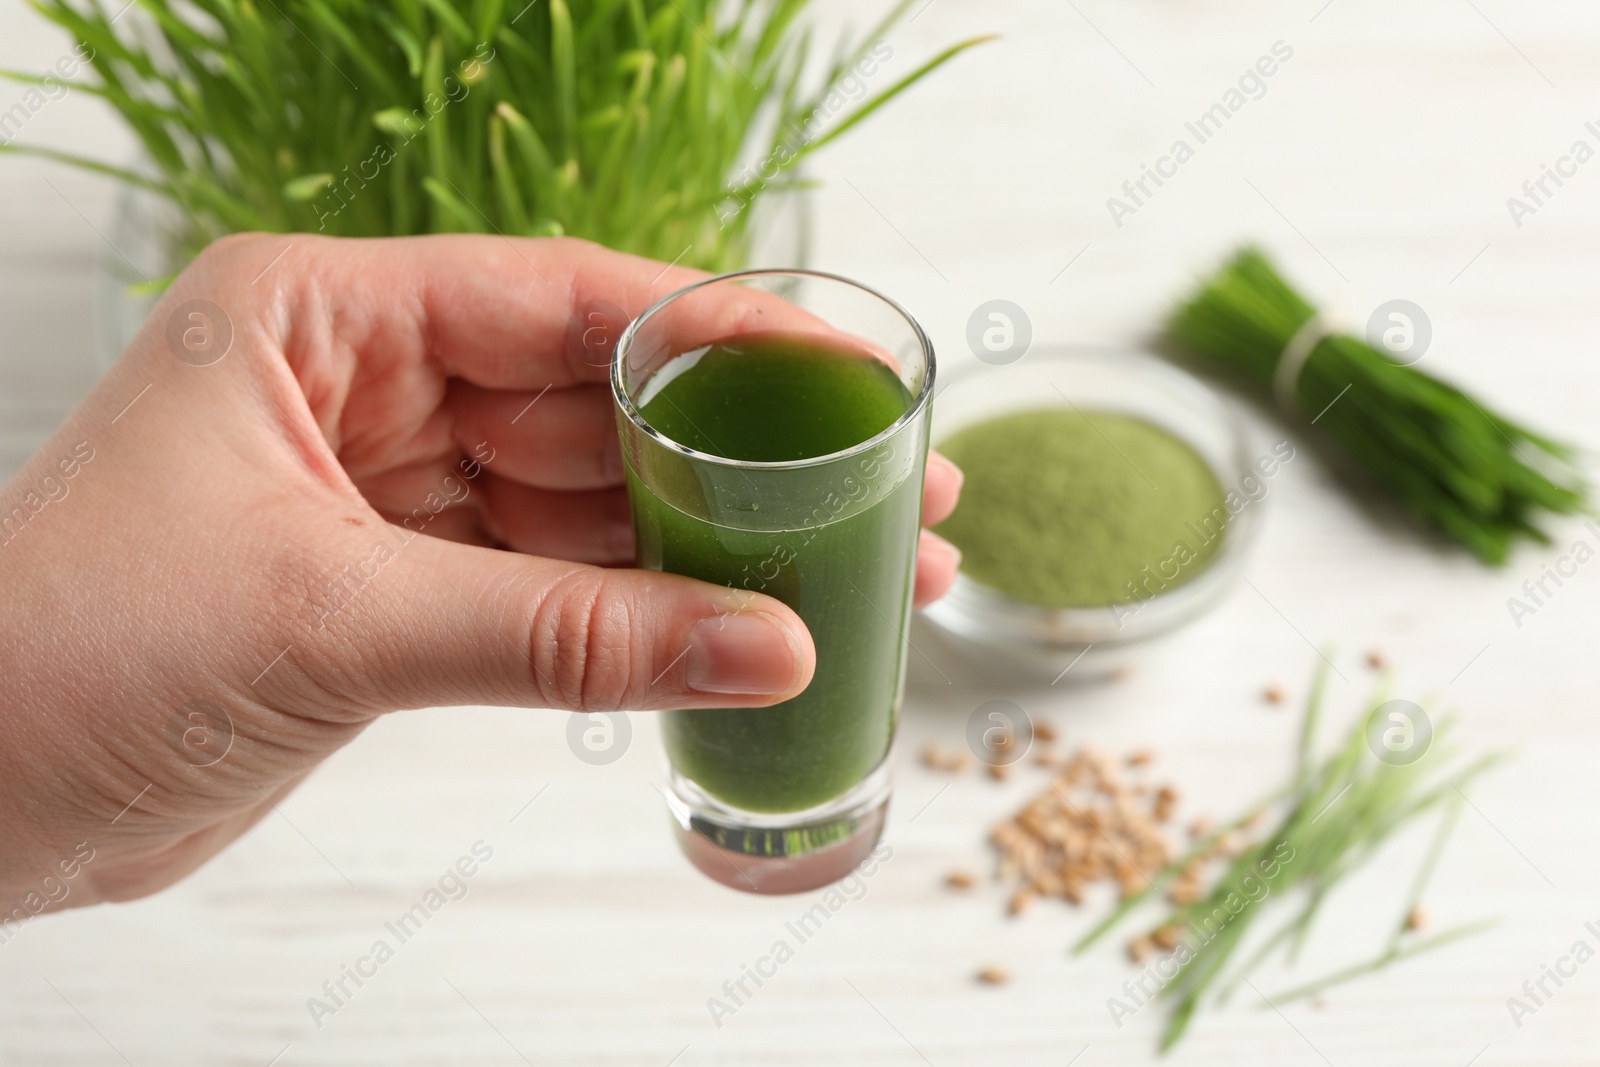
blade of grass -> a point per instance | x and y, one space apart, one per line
1383 959
895 90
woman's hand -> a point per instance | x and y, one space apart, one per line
287 510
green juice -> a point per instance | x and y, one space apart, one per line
775 398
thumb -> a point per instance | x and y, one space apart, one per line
446 623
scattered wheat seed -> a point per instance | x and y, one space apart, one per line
937 758
1019 902
1086 826
992 975
1166 800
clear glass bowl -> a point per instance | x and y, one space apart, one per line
1089 641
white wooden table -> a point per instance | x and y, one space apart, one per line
1377 165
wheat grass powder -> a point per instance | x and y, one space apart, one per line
1072 508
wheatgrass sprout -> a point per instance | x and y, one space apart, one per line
628 122
1334 815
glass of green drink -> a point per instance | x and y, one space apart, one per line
774 426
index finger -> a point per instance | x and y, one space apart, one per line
525 313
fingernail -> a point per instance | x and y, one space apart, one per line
932 542
939 461
750 653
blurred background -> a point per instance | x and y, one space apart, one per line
1376 165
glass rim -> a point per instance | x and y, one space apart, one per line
919 403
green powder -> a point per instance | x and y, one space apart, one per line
1072 508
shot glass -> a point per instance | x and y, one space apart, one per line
791 797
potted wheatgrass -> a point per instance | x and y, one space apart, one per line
649 126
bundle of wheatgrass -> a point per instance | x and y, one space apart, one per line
650 126
1480 478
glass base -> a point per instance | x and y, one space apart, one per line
786 852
